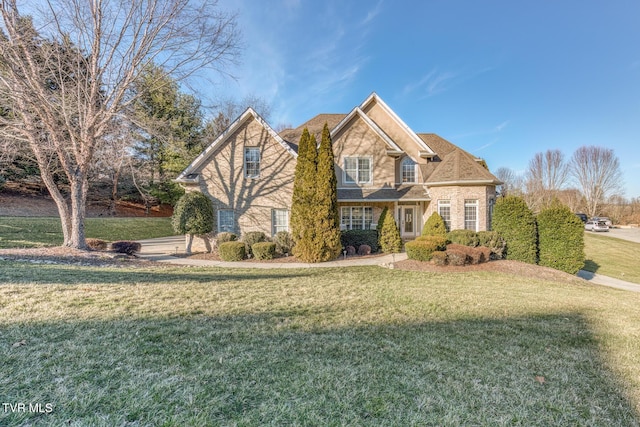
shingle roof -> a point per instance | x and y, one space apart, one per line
315 126
402 192
453 165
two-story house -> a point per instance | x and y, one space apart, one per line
248 173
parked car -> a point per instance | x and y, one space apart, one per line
582 216
592 225
603 218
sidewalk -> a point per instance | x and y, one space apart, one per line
161 250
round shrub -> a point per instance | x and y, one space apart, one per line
515 223
463 237
225 236
126 247
251 238
356 238
193 214
264 250
232 251
423 249
364 250
284 242
96 244
493 241
561 239
351 250
434 226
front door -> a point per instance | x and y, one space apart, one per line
408 222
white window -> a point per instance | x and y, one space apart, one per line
279 220
252 162
225 220
471 215
408 170
444 209
356 218
357 170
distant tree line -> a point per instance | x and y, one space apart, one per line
589 182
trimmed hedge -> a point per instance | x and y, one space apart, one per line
515 223
561 239
422 249
356 238
232 251
264 250
225 236
464 237
364 250
434 226
439 258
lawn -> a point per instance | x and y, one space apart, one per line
612 257
25 232
354 346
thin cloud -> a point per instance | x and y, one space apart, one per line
432 83
371 14
501 126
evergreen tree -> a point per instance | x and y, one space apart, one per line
193 215
515 223
560 239
389 234
434 226
303 205
327 222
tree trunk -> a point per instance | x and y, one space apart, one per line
188 242
114 192
79 186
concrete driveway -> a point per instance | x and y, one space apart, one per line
631 234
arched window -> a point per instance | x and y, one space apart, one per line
408 171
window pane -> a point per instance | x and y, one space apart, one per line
225 220
368 217
280 220
345 218
408 170
356 218
364 170
351 169
252 162
444 209
470 214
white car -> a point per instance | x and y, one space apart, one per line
603 218
592 225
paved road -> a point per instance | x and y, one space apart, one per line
631 234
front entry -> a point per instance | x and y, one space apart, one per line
407 221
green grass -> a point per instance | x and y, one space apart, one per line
355 346
22 232
612 257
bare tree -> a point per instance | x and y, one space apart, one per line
597 172
68 79
511 181
545 177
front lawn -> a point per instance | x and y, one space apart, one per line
612 257
29 232
354 346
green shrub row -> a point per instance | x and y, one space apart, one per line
423 247
356 238
232 251
264 250
560 239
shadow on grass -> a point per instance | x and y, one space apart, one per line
14 272
590 265
280 369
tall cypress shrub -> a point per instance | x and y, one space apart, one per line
389 234
303 205
434 226
327 221
560 239
515 222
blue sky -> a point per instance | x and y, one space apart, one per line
502 79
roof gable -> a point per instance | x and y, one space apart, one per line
248 114
357 112
425 150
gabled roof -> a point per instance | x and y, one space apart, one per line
412 135
188 176
454 166
358 112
